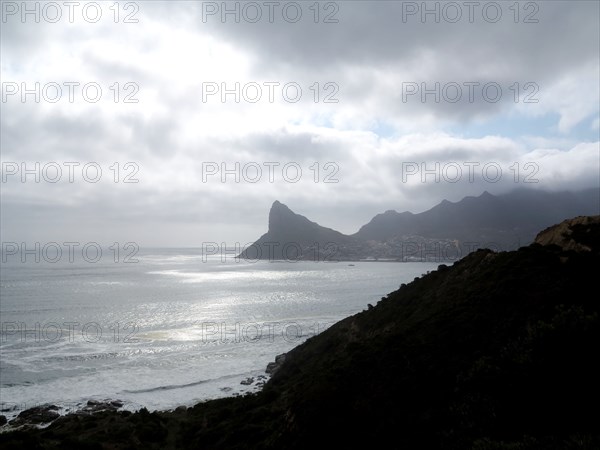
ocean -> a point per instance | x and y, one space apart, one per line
170 327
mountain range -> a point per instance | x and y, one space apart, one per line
444 233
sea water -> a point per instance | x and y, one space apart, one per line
168 327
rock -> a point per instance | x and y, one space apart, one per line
272 367
226 389
247 381
36 416
567 234
3 420
181 409
95 406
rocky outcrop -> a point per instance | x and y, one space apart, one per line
38 415
273 367
45 414
575 234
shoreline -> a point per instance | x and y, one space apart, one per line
41 416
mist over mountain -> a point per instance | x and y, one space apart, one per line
503 222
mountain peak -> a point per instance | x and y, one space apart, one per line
280 216
278 206
293 236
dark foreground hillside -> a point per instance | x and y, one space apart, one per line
499 351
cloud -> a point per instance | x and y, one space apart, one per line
357 120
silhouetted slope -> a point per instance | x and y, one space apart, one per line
497 347
499 351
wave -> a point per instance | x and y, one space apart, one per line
83 357
180 386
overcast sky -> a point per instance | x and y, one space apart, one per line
344 91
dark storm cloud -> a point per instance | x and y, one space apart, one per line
373 32
371 39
